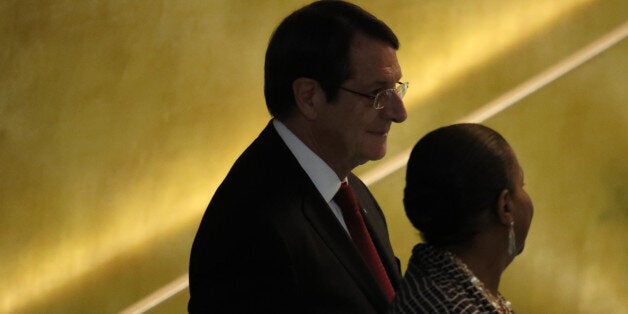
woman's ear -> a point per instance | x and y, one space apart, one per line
305 95
504 212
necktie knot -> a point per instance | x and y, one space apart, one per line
346 199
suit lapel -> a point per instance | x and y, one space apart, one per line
385 254
376 225
335 237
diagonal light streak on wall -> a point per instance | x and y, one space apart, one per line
161 295
399 161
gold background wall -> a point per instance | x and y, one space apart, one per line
118 119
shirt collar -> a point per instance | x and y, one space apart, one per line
323 177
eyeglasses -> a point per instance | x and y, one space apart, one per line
384 97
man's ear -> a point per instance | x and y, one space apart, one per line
503 211
305 92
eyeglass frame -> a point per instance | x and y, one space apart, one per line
400 93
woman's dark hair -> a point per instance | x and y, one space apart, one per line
314 42
454 177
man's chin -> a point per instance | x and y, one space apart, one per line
377 155
372 154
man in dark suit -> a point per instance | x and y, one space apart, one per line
274 239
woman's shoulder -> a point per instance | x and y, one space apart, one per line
432 284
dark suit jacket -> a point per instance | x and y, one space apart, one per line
269 243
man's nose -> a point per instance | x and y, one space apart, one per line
395 110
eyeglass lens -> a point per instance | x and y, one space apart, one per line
391 96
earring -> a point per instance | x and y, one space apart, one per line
511 239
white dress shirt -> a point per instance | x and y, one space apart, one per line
324 178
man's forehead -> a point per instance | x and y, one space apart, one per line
379 65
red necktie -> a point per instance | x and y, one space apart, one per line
345 198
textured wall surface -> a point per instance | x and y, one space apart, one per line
118 120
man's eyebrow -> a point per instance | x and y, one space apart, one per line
384 83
